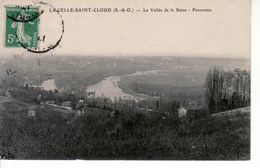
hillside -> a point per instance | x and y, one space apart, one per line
52 135
17 107
227 131
232 113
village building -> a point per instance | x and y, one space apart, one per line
182 112
91 94
32 111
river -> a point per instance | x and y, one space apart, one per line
49 85
108 87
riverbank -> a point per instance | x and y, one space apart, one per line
109 87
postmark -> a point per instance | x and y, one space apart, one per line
29 27
22 26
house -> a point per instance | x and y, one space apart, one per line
91 94
182 112
32 111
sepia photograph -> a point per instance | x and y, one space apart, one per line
125 80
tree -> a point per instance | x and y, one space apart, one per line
227 89
174 107
214 88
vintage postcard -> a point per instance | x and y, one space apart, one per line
125 80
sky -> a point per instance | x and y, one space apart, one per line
223 33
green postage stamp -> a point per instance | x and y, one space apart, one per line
21 26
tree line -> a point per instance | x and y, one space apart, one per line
226 90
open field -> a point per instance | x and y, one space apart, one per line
179 84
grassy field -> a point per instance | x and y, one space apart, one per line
180 84
59 134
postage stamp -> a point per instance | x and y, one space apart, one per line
22 25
